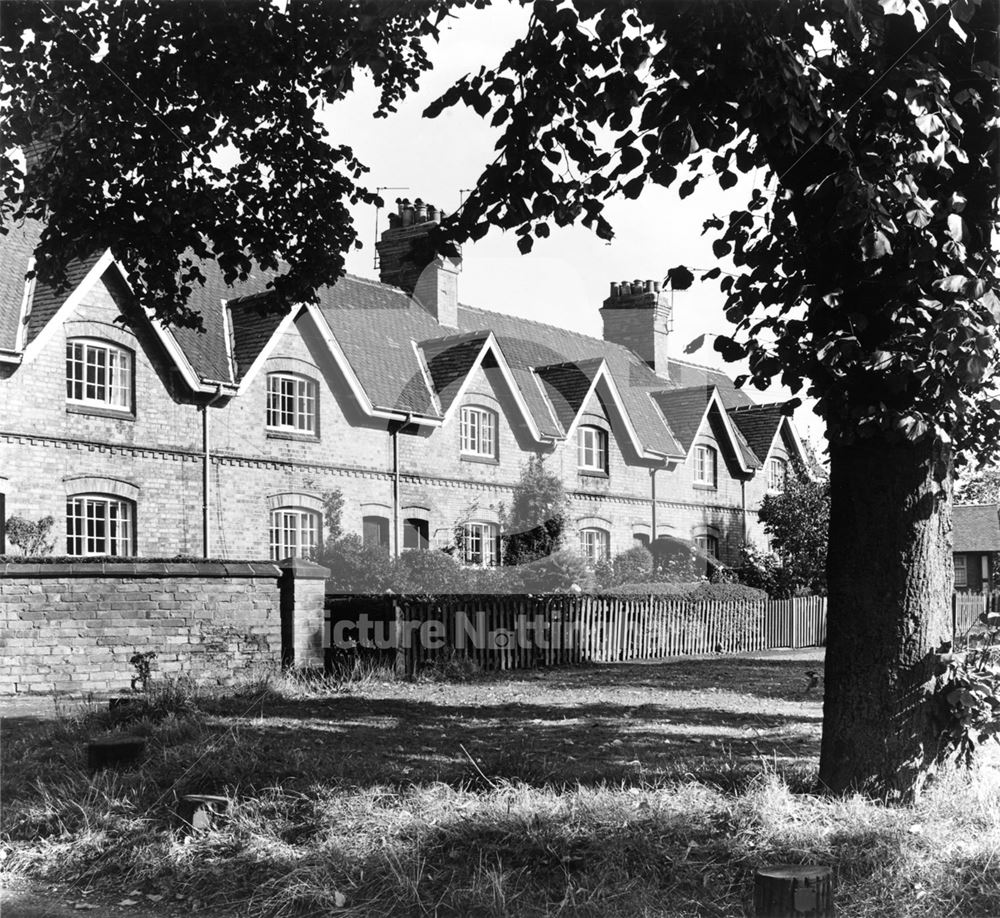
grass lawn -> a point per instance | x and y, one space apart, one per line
633 789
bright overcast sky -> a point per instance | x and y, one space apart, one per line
565 278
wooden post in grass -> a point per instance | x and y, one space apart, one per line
112 751
793 891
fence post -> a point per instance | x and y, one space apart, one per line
398 619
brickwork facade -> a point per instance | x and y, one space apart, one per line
153 455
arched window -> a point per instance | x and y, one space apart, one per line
595 544
709 544
777 474
479 432
291 403
641 538
98 374
706 465
481 544
375 532
416 534
99 524
295 532
592 449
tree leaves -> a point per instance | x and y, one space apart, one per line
680 278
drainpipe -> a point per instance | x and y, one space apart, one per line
652 497
395 483
206 478
743 505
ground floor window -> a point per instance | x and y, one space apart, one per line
961 571
415 535
708 544
375 531
294 533
97 525
482 544
641 539
595 544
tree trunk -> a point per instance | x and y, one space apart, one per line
890 580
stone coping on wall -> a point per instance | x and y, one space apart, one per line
95 569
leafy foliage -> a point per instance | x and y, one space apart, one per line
333 513
764 571
142 663
534 525
978 486
32 538
174 132
865 273
356 568
969 696
797 520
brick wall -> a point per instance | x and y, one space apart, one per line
73 627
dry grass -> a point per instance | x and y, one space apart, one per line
343 828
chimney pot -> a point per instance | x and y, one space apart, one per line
649 286
421 209
656 286
614 289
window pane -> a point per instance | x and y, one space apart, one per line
415 534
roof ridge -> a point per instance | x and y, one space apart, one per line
755 407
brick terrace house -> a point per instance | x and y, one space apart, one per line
976 543
146 441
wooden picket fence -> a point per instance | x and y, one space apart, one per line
516 632
966 610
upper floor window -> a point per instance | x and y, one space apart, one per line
99 525
291 403
595 544
479 432
708 544
482 544
294 533
99 374
592 449
961 571
777 472
375 532
706 462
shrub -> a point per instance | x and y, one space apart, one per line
355 568
766 572
31 538
633 566
492 580
557 573
675 561
427 572
696 591
534 527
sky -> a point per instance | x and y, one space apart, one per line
565 278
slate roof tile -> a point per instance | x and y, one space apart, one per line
759 425
977 527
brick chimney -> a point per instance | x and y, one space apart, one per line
434 285
637 315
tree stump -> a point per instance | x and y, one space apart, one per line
793 891
201 811
112 751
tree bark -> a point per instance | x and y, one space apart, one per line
890 579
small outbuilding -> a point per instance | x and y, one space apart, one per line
976 543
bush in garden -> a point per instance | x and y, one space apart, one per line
557 573
765 571
355 568
675 561
428 572
534 526
633 566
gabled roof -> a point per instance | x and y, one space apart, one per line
567 386
686 410
400 362
976 527
759 424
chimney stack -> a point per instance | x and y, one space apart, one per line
637 315
435 284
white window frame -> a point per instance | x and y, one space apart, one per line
479 544
294 532
99 525
478 432
110 368
592 449
777 473
292 403
706 465
595 544
961 571
708 543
